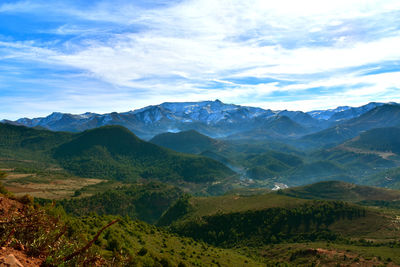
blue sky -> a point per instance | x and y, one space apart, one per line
103 56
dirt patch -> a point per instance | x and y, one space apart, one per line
18 189
12 176
20 256
7 170
384 155
50 188
9 207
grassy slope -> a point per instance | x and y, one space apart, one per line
336 190
206 206
144 202
199 216
126 243
135 238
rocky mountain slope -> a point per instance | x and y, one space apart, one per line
212 118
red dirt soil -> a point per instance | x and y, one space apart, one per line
9 208
20 256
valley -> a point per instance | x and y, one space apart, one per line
209 184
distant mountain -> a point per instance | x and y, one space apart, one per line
274 127
343 112
328 113
337 190
115 152
190 141
305 120
387 115
211 118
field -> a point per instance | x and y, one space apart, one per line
39 180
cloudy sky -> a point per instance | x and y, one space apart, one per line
102 56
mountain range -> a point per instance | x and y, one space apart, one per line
229 192
212 118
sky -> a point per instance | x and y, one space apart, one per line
102 56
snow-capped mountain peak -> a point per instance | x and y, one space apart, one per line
214 118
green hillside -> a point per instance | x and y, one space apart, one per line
27 143
316 171
354 159
380 139
144 202
388 178
115 152
52 238
326 138
247 221
337 190
310 221
270 164
110 152
190 141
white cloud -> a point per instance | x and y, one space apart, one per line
174 51
202 40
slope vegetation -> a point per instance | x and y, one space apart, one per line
236 220
27 143
144 202
190 141
337 190
115 152
379 139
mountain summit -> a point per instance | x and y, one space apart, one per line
212 118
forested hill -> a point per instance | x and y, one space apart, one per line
187 142
338 190
110 152
115 152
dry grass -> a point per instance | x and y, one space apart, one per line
51 186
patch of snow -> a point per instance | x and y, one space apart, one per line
278 186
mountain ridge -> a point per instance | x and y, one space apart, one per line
212 118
